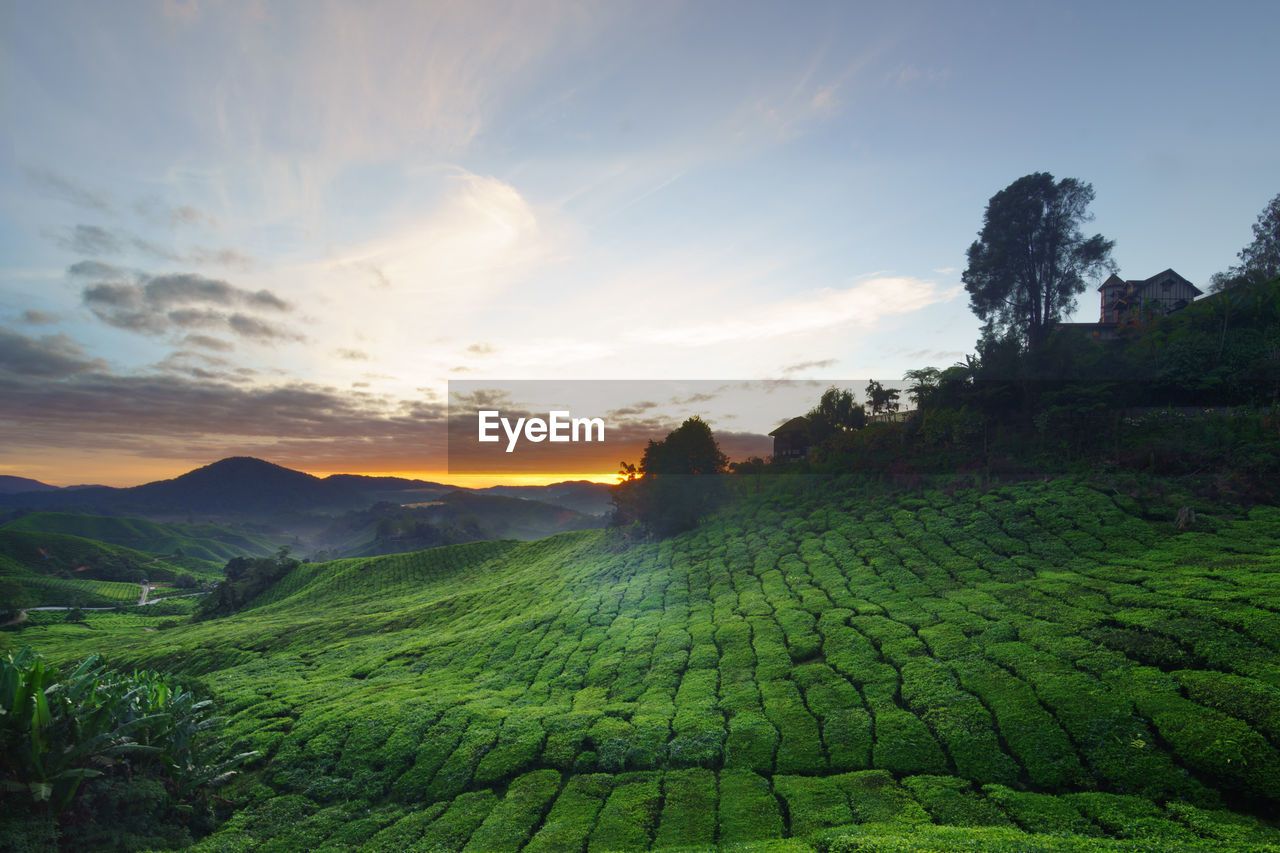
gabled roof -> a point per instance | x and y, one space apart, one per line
1140 283
799 424
1169 273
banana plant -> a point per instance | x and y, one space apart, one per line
58 733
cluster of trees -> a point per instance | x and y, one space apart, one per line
1032 382
1032 259
1035 385
247 578
678 481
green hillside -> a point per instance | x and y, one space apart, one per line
60 570
1044 666
207 542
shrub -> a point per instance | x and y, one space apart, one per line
628 817
512 820
573 815
688 809
954 801
904 744
748 810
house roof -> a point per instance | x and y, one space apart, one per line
1169 273
798 424
1140 283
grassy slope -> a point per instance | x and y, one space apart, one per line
37 559
1031 668
202 541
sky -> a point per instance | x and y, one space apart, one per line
281 228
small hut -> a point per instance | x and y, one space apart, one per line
791 440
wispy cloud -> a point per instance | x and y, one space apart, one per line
802 366
96 241
862 305
60 187
89 240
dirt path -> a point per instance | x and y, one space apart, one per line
142 599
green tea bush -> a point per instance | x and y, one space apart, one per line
459 767
519 744
813 803
1256 703
512 820
954 801
689 803
748 809
752 742
800 747
629 815
455 826
573 815
904 744
401 835
959 720
1032 733
1041 813
1223 825
1130 817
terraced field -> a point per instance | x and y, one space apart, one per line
1031 668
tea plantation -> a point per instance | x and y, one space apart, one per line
1035 667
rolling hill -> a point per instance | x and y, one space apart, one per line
60 570
824 667
201 541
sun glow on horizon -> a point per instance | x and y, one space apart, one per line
481 481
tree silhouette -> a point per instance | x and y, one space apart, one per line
677 482
880 398
1031 258
837 411
1260 260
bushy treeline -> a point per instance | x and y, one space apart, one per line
1196 391
247 578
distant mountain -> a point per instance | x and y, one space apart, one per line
16 485
237 486
578 495
388 484
243 484
245 487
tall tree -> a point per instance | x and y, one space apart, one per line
1031 259
880 398
1260 260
